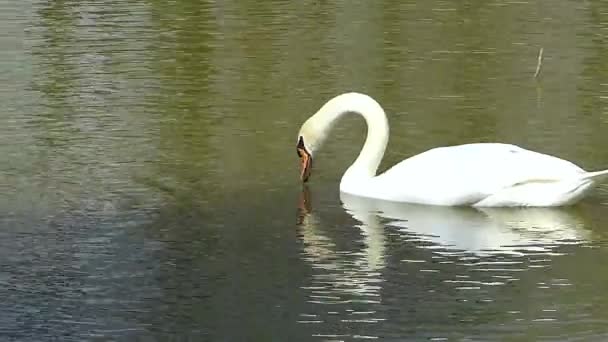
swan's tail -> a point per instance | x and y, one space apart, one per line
596 176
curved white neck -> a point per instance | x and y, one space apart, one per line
366 164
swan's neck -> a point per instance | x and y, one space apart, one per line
366 164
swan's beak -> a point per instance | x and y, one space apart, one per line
305 164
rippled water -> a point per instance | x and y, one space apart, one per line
148 178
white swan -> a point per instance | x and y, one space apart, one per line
483 174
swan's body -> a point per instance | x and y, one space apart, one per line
485 174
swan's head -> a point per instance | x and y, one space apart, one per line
311 136
305 159
314 131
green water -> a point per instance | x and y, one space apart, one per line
149 181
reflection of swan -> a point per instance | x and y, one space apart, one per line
341 276
346 282
485 175
320 247
486 231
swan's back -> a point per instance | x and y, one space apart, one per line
469 174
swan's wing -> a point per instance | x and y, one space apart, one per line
466 174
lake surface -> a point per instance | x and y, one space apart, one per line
149 182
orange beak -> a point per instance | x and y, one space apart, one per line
305 164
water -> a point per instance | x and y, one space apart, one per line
148 174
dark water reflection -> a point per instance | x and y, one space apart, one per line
148 178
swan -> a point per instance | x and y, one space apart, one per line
477 174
